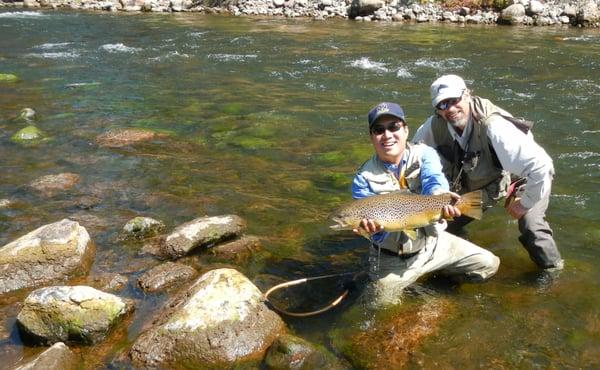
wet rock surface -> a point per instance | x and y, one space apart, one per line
50 253
28 135
109 282
59 356
203 231
53 184
78 314
220 320
165 276
238 249
142 227
289 352
123 137
390 340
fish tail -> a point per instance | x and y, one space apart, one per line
470 204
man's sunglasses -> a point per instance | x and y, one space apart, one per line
378 129
445 104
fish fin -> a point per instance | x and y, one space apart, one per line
411 233
470 204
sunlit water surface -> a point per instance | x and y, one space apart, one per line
266 118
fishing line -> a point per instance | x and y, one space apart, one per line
329 306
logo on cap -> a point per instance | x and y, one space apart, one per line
382 108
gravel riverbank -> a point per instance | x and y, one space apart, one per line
579 13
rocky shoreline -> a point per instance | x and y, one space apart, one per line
579 13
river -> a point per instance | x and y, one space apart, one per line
266 118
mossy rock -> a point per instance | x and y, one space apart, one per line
233 109
253 143
8 77
334 157
27 135
260 130
336 180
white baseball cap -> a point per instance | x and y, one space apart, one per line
446 87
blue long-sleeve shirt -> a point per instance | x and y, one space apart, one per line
431 176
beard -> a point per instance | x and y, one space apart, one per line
460 123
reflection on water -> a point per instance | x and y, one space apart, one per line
266 119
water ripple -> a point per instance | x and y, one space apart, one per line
119 48
55 55
48 46
579 155
367 64
232 57
22 15
442 65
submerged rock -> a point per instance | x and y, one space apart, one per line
51 185
142 227
59 356
28 135
50 253
220 320
289 352
166 275
238 249
109 282
78 314
8 77
123 137
26 114
203 231
390 340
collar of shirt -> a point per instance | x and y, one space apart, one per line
463 139
394 168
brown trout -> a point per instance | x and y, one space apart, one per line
403 211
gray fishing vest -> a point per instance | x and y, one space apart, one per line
382 181
476 167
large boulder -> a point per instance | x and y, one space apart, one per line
364 7
203 231
79 314
513 14
50 253
59 356
221 319
588 13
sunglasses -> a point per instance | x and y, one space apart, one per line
378 129
445 104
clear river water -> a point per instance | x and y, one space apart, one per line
266 119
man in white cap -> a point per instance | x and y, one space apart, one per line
481 145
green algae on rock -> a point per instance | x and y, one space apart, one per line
8 77
220 320
79 314
28 135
